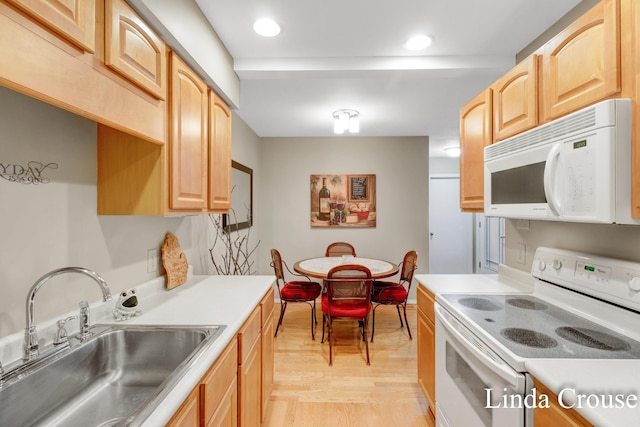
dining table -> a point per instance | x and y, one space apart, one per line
319 267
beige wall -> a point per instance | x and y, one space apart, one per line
53 225
619 241
402 173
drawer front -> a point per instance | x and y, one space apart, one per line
426 300
248 334
267 305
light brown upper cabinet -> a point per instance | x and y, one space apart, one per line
73 75
73 20
189 145
219 154
581 65
632 52
475 134
134 50
515 103
190 174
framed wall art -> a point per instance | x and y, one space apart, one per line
343 200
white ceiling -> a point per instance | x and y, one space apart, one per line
334 55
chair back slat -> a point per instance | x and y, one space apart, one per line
276 261
349 283
340 248
409 267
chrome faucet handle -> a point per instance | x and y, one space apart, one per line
61 334
84 320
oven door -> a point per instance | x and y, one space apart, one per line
474 386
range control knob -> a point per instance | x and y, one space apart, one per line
557 264
634 284
542 265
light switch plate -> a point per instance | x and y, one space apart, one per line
152 261
522 253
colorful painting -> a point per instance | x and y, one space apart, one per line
343 200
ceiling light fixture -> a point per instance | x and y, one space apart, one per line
453 151
266 27
418 42
344 120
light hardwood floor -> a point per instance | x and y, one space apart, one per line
309 392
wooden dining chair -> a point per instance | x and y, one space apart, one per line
294 291
348 296
339 249
395 293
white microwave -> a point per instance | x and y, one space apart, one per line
575 168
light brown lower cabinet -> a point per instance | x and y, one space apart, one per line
189 413
427 350
237 388
268 350
250 371
555 415
214 401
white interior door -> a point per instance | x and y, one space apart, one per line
450 231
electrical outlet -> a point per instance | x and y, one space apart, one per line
521 253
152 261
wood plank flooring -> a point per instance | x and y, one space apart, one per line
309 392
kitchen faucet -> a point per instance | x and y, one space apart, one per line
30 333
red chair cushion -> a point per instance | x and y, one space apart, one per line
382 283
389 294
345 308
300 290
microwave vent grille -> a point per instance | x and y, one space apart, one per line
581 120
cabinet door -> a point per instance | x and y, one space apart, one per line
188 415
134 50
219 155
515 103
215 386
581 65
249 388
227 413
73 20
426 350
268 350
555 415
475 134
188 161
632 48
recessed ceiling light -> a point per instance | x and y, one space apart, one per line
453 151
418 42
266 27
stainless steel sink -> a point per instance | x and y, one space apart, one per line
116 378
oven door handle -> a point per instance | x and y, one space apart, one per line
513 378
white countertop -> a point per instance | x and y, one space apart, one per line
508 281
202 300
586 376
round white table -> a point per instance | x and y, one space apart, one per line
319 267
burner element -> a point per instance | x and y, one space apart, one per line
527 304
529 338
591 338
482 304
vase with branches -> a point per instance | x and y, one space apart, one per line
235 256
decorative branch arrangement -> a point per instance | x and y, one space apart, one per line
236 256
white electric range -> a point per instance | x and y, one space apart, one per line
582 307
